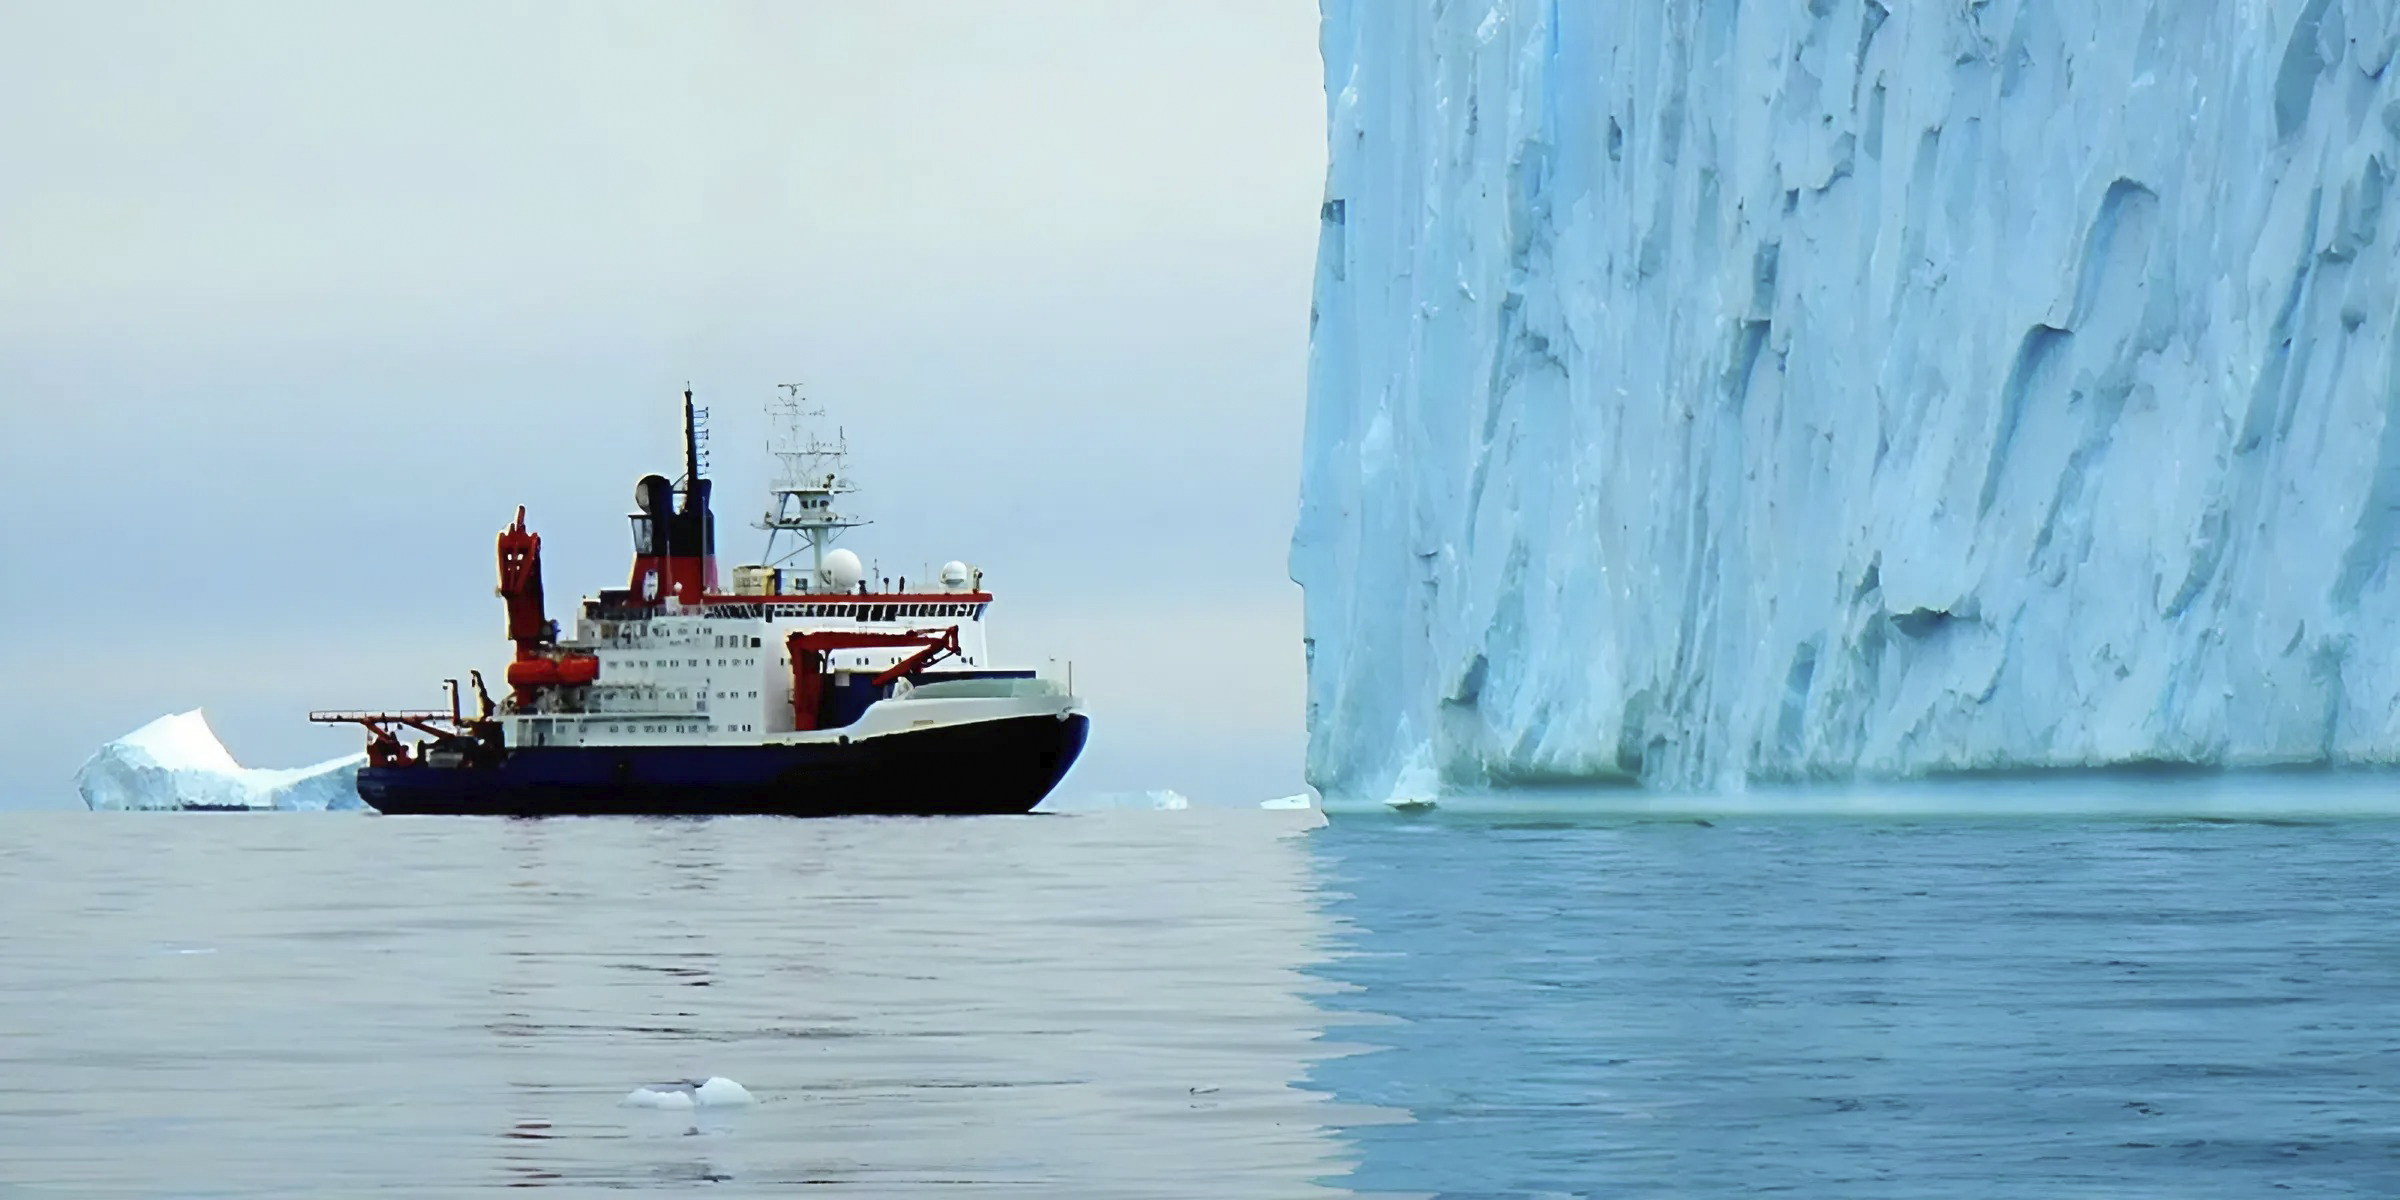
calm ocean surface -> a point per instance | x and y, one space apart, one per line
1204 1004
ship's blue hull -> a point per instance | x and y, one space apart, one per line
1000 766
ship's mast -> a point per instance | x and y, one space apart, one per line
691 438
814 474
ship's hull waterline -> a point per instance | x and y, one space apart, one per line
979 768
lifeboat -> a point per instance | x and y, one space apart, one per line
533 673
567 670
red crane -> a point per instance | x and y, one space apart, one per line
539 663
521 586
808 661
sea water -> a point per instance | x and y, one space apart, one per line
1197 1003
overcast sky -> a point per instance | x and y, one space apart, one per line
298 301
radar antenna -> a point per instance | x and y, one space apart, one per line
695 438
812 476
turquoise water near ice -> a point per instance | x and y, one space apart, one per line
1901 1007
1206 1003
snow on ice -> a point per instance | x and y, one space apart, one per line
176 762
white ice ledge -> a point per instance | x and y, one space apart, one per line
176 763
1703 393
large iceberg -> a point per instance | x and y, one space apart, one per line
1706 392
177 763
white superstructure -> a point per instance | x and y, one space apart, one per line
717 667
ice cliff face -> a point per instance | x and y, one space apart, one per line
176 762
1706 392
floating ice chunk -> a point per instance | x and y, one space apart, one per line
1159 799
1289 803
716 1091
658 1095
177 763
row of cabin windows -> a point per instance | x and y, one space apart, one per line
723 641
877 612
632 631
694 662
677 729
687 694
930 610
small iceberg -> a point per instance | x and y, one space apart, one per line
1289 803
1155 799
716 1091
176 764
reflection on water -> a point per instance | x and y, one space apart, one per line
1187 1004
1904 1007
235 1005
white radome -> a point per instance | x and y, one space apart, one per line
955 575
842 571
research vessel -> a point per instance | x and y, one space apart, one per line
803 689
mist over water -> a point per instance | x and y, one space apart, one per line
1695 1003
